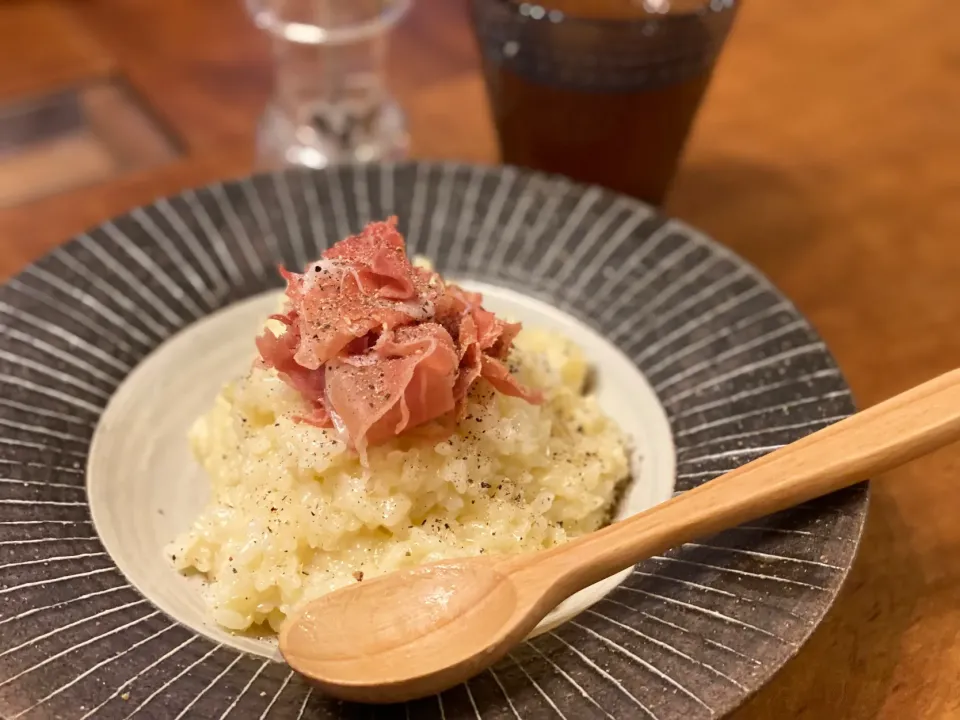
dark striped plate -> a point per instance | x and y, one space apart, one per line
736 368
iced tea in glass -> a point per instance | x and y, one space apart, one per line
604 91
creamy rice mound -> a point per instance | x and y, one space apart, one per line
294 514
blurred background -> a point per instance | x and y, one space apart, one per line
825 148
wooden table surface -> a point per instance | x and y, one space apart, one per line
827 153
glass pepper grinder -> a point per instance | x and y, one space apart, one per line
329 103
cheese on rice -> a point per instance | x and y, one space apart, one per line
294 514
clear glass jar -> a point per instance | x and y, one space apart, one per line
329 103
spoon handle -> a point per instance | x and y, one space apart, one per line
884 436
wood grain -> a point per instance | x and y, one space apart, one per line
827 153
42 47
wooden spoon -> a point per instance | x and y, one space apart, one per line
413 633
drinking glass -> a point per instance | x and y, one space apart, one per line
604 91
329 103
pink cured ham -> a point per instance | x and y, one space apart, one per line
377 346
380 258
405 381
471 359
278 353
361 284
483 340
329 321
498 375
492 334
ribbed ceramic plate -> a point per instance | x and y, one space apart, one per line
736 369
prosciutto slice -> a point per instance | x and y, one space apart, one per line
498 375
484 340
405 381
279 353
379 258
362 284
377 346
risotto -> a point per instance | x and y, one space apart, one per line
296 512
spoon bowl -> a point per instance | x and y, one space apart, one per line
450 611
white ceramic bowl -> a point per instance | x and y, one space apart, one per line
144 486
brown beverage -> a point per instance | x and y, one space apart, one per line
592 95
